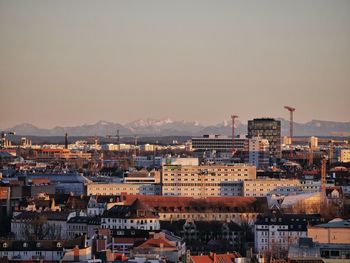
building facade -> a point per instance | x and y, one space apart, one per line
135 216
269 129
219 143
205 180
269 187
259 152
120 188
275 233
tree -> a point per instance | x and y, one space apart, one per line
39 229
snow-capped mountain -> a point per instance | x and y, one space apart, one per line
168 127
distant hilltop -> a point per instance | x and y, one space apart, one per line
168 127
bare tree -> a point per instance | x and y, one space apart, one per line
40 228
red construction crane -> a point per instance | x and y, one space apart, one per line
291 111
233 117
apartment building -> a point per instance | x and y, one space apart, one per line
122 188
276 232
138 215
336 231
205 180
269 187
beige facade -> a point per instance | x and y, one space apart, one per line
344 155
205 180
122 188
336 231
268 187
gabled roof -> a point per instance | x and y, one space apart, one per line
156 243
201 259
136 210
163 204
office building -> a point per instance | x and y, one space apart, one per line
219 143
269 129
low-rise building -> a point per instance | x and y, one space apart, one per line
172 208
159 245
45 250
336 231
82 226
40 225
135 216
276 232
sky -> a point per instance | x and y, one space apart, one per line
74 62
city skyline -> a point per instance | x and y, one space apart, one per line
65 63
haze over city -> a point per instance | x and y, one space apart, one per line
186 131
74 62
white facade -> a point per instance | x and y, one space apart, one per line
275 237
127 223
180 161
20 228
259 152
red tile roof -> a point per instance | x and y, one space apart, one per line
216 258
156 242
182 204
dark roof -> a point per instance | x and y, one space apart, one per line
49 215
85 220
295 222
335 223
130 211
135 233
77 202
41 245
107 198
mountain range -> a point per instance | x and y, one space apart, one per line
168 127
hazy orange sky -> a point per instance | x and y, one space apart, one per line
75 62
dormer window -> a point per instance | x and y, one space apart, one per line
25 244
140 213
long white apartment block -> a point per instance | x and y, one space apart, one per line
205 180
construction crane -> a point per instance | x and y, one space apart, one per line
118 139
233 118
118 136
291 111
3 135
323 177
331 151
